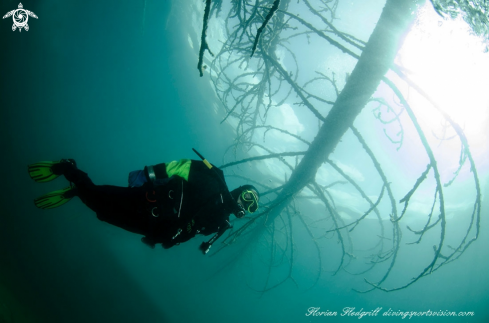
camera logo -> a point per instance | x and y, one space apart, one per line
20 17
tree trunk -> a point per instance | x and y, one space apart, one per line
375 61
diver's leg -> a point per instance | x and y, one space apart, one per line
121 206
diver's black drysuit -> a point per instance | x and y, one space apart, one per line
169 213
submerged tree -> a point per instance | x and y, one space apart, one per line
256 72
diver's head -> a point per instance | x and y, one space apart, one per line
247 197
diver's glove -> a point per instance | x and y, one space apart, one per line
206 246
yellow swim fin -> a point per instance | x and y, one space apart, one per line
56 198
46 171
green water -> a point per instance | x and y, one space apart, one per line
115 86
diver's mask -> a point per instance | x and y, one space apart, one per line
249 200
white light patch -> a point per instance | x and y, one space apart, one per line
448 62
190 41
273 167
348 201
284 117
323 177
352 172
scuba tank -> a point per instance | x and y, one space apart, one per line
169 221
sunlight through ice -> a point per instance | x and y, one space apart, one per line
445 59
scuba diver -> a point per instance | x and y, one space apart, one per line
168 203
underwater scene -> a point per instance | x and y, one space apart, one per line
244 161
